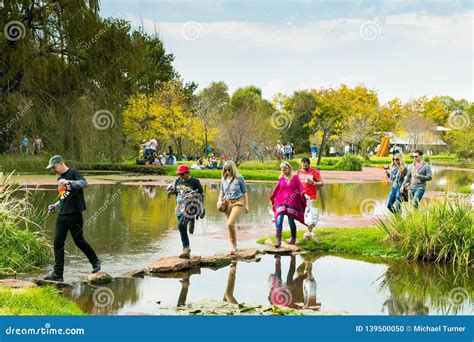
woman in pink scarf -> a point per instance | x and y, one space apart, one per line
288 200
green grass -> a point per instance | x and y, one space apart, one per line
22 244
364 241
441 231
35 301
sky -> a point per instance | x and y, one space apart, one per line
401 49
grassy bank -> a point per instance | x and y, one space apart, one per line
35 301
364 241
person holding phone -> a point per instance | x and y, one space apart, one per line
396 174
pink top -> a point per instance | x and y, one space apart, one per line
288 199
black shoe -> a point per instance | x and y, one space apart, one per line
96 266
54 277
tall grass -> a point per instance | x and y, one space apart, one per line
441 231
23 246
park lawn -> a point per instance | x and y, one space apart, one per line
363 241
35 301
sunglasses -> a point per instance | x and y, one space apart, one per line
415 156
396 159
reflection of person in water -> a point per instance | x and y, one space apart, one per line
150 191
310 287
229 290
184 290
289 293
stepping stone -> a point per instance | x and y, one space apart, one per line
248 253
270 249
58 284
173 264
178 274
16 283
215 261
134 273
99 278
283 249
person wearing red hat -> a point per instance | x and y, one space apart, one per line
189 205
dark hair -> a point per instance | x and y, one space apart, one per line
420 152
305 160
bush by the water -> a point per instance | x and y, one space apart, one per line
350 162
22 244
441 231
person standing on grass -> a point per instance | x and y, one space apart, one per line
71 204
25 144
417 175
38 146
311 180
396 174
189 205
314 151
234 193
288 200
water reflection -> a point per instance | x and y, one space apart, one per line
307 281
297 292
415 287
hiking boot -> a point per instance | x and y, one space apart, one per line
186 253
96 266
292 241
54 277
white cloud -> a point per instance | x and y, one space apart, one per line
412 55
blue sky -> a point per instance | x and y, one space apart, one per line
400 48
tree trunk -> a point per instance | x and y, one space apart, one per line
323 145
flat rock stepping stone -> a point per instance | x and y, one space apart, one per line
134 273
178 274
248 253
58 284
99 278
215 261
173 264
16 283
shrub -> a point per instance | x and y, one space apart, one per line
350 162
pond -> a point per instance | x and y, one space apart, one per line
130 226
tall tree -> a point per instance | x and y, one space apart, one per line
209 106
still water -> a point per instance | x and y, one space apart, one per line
131 226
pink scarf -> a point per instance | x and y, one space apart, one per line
288 199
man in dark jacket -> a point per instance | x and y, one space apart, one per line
71 205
